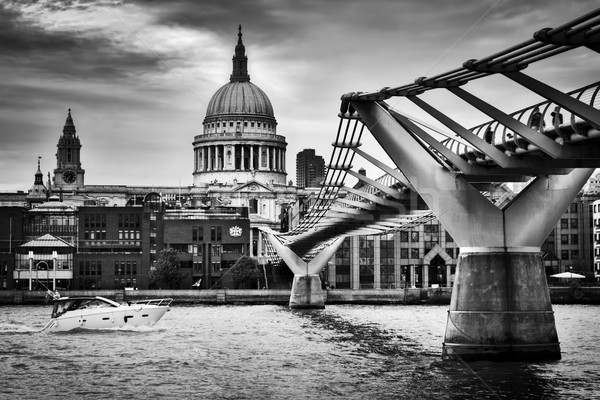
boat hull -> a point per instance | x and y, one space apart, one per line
107 318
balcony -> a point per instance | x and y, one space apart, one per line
43 274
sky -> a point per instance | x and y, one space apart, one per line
138 75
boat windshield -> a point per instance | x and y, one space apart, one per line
66 305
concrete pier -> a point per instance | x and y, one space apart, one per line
500 308
307 292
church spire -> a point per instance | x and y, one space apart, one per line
69 129
240 61
38 192
39 177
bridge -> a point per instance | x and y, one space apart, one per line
500 306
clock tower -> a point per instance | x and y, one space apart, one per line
68 173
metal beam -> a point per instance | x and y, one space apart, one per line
544 143
490 150
389 191
585 111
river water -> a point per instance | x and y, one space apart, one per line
272 352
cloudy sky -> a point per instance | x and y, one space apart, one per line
138 75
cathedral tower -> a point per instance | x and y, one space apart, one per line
68 173
239 142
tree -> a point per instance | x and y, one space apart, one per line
243 271
166 268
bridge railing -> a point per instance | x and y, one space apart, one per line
553 121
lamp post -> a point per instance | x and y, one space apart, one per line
262 261
30 268
54 261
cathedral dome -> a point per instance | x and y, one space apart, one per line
239 97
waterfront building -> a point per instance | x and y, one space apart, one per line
426 255
57 244
310 169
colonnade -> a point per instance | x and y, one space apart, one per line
239 157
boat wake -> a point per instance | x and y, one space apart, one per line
8 328
105 331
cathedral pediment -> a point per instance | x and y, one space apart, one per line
253 187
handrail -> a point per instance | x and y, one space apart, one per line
154 302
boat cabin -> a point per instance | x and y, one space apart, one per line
67 304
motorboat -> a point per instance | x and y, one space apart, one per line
96 312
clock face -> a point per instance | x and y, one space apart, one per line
69 176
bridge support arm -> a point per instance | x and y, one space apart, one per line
462 209
307 291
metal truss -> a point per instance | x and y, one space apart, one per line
509 148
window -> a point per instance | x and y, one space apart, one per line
215 233
387 276
197 267
414 236
197 234
564 254
94 226
574 254
342 265
573 207
574 223
414 253
564 239
253 205
564 223
431 228
449 238
404 236
403 253
574 239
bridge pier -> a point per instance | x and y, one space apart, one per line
307 292
500 307
306 287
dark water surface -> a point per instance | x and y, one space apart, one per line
272 352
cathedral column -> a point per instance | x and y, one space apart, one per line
278 158
242 161
210 163
251 156
216 165
269 158
260 156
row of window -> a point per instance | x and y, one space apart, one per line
430 234
216 234
564 223
231 124
387 276
94 267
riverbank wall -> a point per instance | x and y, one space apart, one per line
559 295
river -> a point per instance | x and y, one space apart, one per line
272 352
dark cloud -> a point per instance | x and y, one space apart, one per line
68 53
